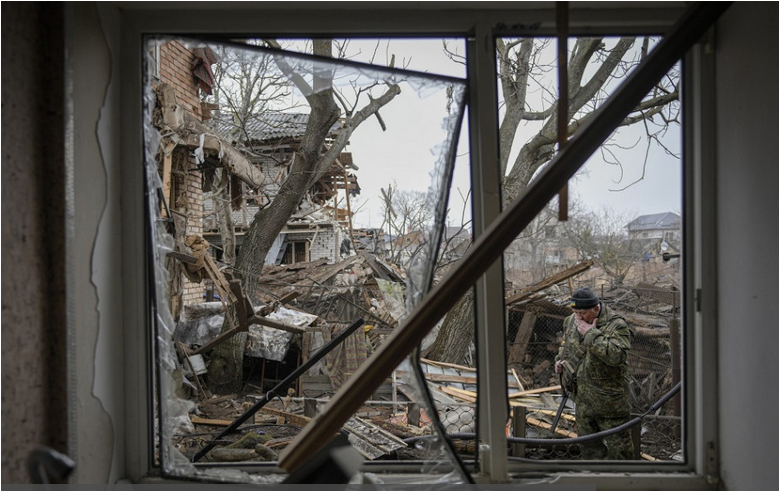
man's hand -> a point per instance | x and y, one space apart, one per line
559 366
583 326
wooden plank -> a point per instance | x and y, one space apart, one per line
447 365
516 377
543 424
294 419
219 339
524 332
519 422
549 412
306 344
220 281
534 391
188 259
443 377
465 395
334 270
166 178
551 281
267 322
279 442
288 297
196 420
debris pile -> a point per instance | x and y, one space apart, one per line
305 306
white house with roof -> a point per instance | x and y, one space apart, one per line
665 226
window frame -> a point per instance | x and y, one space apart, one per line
479 26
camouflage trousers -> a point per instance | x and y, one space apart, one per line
618 446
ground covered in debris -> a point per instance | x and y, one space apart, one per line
285 332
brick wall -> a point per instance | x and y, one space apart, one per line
175 70
193 292
326 244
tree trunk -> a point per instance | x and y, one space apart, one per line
456 333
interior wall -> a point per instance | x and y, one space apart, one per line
97 435
748 248
33 266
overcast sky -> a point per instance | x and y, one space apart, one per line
386 156
402 154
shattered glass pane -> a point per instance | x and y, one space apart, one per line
292 197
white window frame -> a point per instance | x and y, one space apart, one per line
478 24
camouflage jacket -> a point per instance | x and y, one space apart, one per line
602 373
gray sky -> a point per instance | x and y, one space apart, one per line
402 154
389 156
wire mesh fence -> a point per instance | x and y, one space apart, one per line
652 313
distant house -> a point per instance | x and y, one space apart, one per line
665 226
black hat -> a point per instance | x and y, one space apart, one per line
583 299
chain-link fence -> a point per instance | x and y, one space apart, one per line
535 332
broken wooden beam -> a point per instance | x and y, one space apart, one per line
550 281
294 419
197 420
194 134
220 339
465 395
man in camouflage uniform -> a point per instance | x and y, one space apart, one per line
593 360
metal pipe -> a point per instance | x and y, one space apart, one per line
484 252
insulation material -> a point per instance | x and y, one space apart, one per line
272 344
200 332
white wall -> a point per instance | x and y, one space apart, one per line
748 249
96 421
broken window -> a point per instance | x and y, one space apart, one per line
296 252
635 174
306 217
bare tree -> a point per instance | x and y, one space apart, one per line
309 164
247 86
406 218
603 238
594 68
529 99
